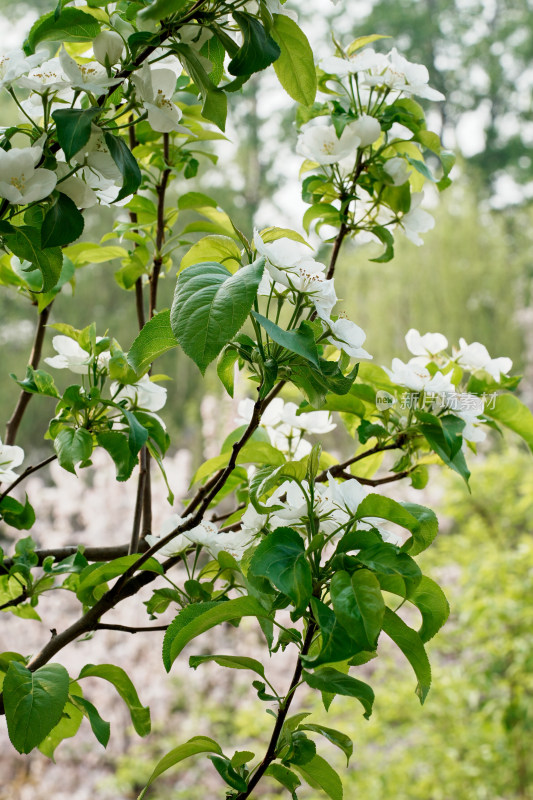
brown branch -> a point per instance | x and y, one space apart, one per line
398 476
161 189
270 754
15 601
338 469
90 553
25 397
128 585
139 297
102 626
24 475
136 529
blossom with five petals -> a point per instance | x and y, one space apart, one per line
430 344
14 65
72 356
90 77
144 394
320 143
475 357
155 88
413 375
20 181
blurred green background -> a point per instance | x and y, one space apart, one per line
473 278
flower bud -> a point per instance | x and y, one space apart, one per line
108 47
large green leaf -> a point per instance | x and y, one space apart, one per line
117 446
336 644
198 618
67 726
198 744
210 306
359 605
215 103
258 49
412 647
443 434
34 703
73 127
96 574
26 244
281 558
217 248
126 164
301 341
62 224
71 25
330 680
512 413
140 715
295 67
155 339
72 447
420 521
321 775
21 517
385 559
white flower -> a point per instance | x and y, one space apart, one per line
367 128
95 154
176 545
14 65
271 416
313 422
108 48
320 143
144 394
396 73
156 88
475 356
75 188
20 181
397 169
91 77
48 77
427 345
10 456
415 376
360 61
348 336
471 431
416 220
72 356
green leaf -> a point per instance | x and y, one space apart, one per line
62 224
319 774
232 662
285 776
359 605
118 448
140 715
161 9
226 368
444 437
512 413
21 517
335 645
96 574
126 164
255 452
198 744
295 67
73 127
385 236
138 433
431 601
217 248
34 703
72 447
386 559
72 25
26 244
155 338
258 49
195 620
37 381
281 558
420 521
66 728
412 647
301 341
328 679
227 773
337 738
210 306
99 726
215 103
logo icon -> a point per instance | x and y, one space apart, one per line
384 399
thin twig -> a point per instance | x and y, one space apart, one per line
103 626
161 189
15 601
338 469
136 529
25 397
24 475
270 754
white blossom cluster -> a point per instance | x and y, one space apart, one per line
378 79
289 267
430 348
